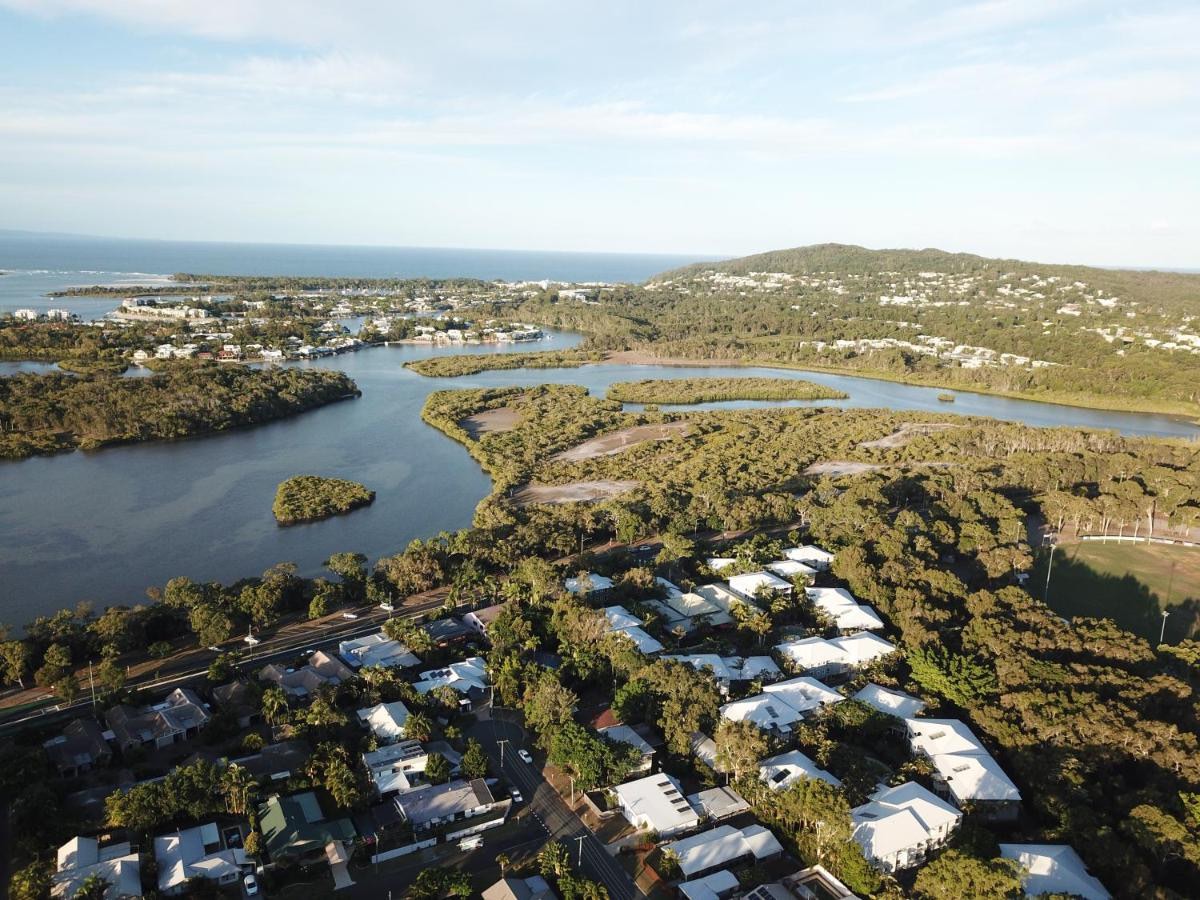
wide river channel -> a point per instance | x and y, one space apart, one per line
103 526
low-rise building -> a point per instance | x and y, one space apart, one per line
812 556
433 805
589 585
724 847
964 770
730 670
239 700
900 825
468 677
718 803
178 717
1054 869
753 584
620 621
196 853
790 570
82 857
446 632
376 650
655 803
296 830
890 702
785 769
803 694
717 886
823 658
623 734
321 669
533 888
848 614
80 748
480 620
399 767
385 720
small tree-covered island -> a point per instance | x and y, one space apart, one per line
715 390
310 498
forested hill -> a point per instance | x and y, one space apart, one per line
840 258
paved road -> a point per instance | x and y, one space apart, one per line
545 803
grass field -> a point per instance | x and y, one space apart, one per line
1128 583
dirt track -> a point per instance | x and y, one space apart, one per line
619 441
907 432
575 492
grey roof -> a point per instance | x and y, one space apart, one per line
80 744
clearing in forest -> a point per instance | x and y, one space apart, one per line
619 441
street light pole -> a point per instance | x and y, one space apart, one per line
500 744
1049 567
1163 631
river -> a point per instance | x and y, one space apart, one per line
102 526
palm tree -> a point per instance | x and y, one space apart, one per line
274 705
502 861
418 726
237 784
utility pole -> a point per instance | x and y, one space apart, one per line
579 859
1163 631
1053 538
92 681
572 777
500 744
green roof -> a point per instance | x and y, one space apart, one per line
295 826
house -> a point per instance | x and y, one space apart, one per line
814 656
589 585
385 720
767 712
862 648
813 883
620 621
786 769
803 694
718 803
82 857
685 613
718 563
276 761
728 670
623 734
398 767
321 669
468 677
790 570
196 853
717 886
813 557
532 888
900 825
722 597
964 770
445 632
655 803
724 847
80 748
439 804
295 829
480 619
848 614
890 702
239 700
752 584
376 650
704 749
177 718
1054 869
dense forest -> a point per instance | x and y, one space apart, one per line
307 498
711 390
46 413
474 363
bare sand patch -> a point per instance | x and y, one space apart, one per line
575 492
504 418
619 441
836 467
907 432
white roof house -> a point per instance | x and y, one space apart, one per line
723 846
376 650
790 569
81 857
847 613
889 702
694 606
1054 869
656 803
727 669
591 583
386 720
814 655
965 769
398 767
717 563
195 853
767 712
466 677
721 596
620 621
863 647
811 556
786 769
751 583
716 886
803 694
900 825
623 734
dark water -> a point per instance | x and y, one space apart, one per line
102 526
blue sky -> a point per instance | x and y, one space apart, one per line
1045 129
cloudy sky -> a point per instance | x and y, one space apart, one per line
1046 129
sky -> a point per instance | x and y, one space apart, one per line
1052 130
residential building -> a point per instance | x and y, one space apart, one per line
385 720
240 700
82 857
718 803
398 767
321 669
722 597
718 563
589 585
620 621
900 825
724 847
468 677
813 883
717 886
446 632
439 804
785 769
533 888
685 613
862 648
790 570
752 584
623 734
295 829
848 614
480 620
277 761
196 853
80 748
814 656
767 712
704 749
376 650
890 702
1054 869
803 694
728 670
177 718
813 557
655 803
964 770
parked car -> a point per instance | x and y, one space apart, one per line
251 885
524 754
516 795
349 615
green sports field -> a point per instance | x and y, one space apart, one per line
1128 583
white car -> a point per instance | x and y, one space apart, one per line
524 754
516 795
349 615
251 885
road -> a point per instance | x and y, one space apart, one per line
587 852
